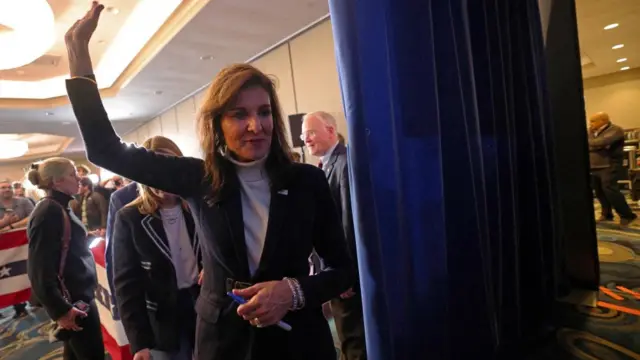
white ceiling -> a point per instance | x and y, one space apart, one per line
596 43
229 30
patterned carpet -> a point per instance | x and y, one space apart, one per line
609 332
612 330
27 338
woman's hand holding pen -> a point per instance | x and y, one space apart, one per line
267 302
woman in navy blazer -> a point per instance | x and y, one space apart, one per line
156 265
258 214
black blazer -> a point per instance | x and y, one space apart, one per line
145 280
44 231
302 216
337 172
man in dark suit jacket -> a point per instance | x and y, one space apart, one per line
606 154
118 200
320 135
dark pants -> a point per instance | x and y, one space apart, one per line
605 184
86 344
20 308
347 314
187 325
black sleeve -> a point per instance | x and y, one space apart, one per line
347 218
178 175
329 242
45 231
128 280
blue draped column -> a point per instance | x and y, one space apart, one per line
451 172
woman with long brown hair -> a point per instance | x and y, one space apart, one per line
258 214
156 257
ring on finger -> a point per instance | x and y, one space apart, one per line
257 322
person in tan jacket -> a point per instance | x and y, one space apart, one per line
90 207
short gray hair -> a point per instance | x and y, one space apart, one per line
324 116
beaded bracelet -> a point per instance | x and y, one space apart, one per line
298 295
301 298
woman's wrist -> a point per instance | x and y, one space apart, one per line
79 59
298 299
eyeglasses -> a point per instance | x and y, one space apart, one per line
310 133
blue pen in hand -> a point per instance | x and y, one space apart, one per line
240 301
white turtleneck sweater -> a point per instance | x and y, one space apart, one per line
255 192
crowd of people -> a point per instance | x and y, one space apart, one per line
232 256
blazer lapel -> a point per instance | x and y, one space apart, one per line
193 235
231 209
328 169
154 228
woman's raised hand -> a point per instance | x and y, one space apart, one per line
77 40
81 31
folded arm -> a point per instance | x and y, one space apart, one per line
20 223
607 138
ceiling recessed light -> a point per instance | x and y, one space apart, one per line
113 10
611 26
10 149
625 68
48 113
26 18
616 47
206 57
158 92
621 60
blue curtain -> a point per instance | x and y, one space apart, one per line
452 173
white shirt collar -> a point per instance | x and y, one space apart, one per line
325 158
